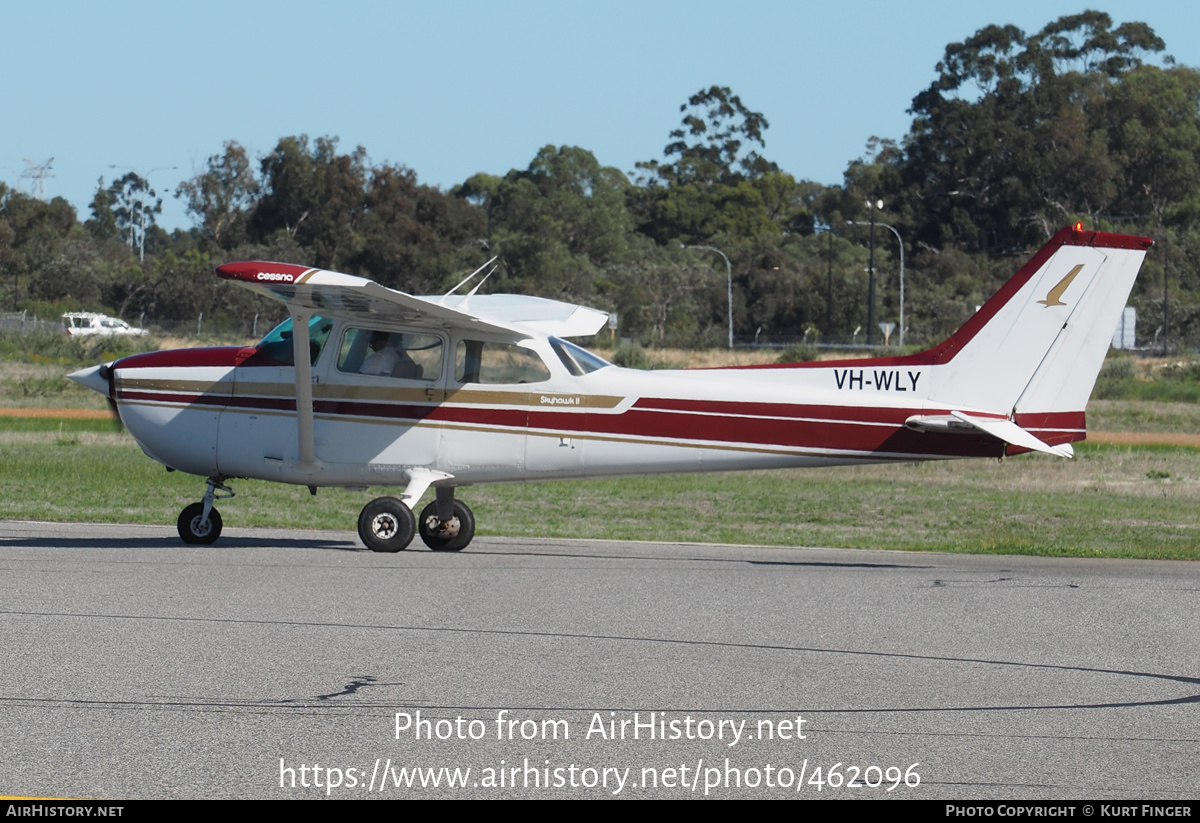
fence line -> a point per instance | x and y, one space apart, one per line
25 322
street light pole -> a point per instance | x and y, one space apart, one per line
829 297
871 280
899 240
892 229
728 281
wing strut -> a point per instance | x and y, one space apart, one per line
304 395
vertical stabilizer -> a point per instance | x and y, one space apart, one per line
1036 347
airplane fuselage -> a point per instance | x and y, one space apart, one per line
231 412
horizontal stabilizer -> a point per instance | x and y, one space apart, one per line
1010 432
999 427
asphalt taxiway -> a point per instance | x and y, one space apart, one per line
280 663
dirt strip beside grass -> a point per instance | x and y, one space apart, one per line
1145 438
57 414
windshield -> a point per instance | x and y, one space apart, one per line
578 361
278 343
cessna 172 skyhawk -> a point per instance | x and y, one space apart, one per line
367 386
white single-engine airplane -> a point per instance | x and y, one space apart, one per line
367 386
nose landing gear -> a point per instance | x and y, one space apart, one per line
197 529
200 523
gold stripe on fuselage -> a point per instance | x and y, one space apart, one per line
396 394
221 388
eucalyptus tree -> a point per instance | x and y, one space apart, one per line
220 197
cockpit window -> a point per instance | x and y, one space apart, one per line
478 362
406 355
578 361
277 345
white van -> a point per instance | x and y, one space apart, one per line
85 323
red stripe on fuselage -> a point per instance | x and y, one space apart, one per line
838 428
793 411
187 358
191 399
1052 420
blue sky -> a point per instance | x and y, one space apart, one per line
454 88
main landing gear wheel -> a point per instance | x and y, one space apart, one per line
194 529
386 525
451 535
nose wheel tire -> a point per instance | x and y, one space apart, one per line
193 529
452 535
386 525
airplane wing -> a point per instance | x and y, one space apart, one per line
334 294
537 313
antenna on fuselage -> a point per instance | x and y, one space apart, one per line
464 281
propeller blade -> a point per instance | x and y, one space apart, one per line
106 372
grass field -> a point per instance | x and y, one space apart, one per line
1111 501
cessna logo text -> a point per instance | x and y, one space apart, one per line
274 275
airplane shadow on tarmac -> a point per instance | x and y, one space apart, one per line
230 542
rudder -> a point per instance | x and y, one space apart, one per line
1034 350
